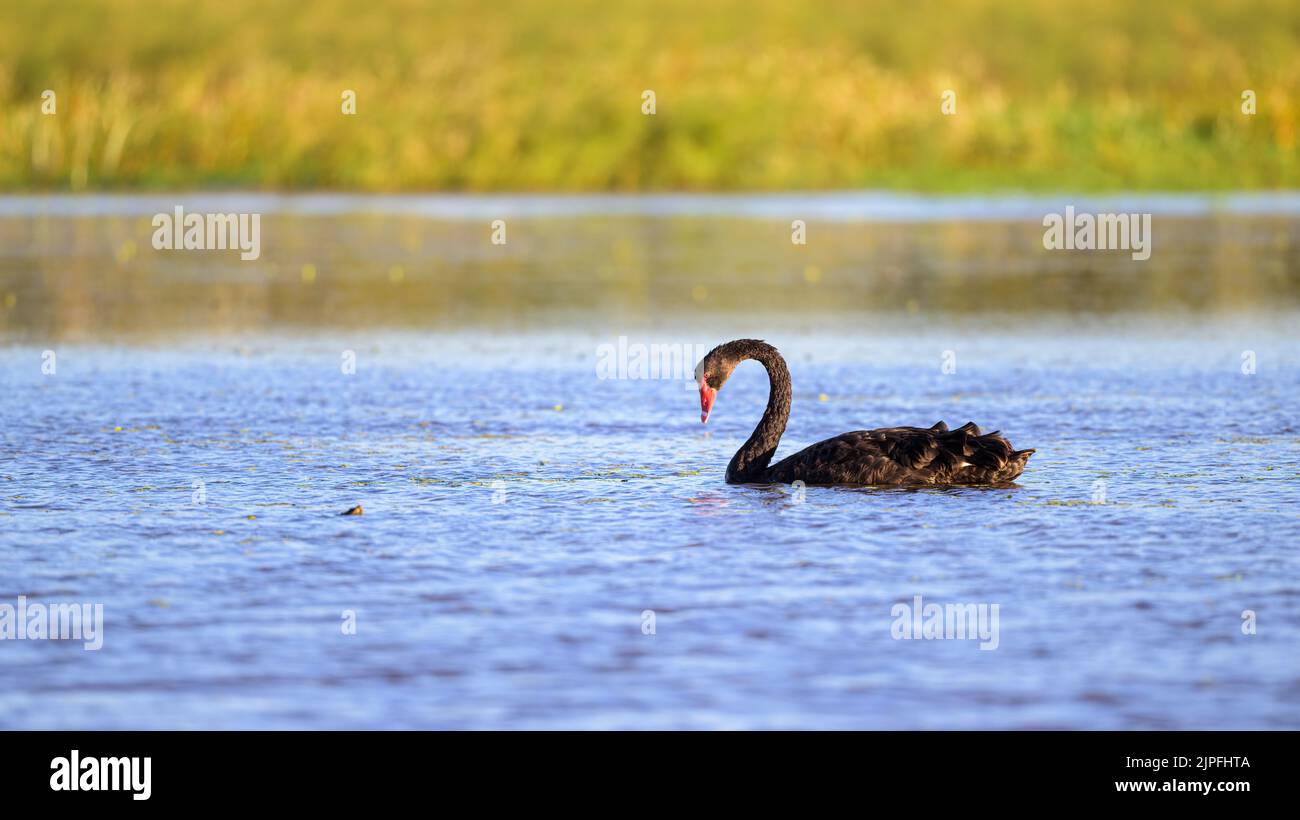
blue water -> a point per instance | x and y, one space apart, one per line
521 514
842 206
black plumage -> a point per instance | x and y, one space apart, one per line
895 456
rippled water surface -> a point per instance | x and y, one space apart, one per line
521 515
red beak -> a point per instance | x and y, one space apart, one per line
707 394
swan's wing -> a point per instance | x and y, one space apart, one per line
860 457
905 455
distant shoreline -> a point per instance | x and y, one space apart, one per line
857 206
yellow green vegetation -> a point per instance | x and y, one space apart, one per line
749 94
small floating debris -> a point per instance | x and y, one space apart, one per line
353 511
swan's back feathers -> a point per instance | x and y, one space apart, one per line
906 456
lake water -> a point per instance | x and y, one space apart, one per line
527 522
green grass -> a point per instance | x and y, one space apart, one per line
754 95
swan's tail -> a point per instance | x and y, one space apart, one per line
1015 464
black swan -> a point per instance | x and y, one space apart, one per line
898 456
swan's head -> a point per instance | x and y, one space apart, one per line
714 370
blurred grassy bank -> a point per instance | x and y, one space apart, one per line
753 95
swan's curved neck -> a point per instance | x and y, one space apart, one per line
749 464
